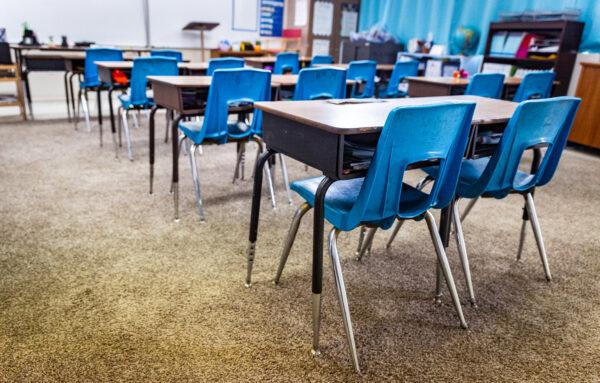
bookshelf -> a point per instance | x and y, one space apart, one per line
556 48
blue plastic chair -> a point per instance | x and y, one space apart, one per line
90 78
139 97
224 63
410 135
320 84
321 59
287 62
486 85
402 69
363 72
230 88
535 85
167 53
535 123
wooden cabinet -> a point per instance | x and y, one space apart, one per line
586 129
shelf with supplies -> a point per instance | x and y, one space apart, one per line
513 47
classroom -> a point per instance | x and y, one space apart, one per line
300 190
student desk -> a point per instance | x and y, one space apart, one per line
381 68
315 132
55 58
187 96
450 86
269 61
106 69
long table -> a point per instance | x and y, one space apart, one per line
315 132
263 62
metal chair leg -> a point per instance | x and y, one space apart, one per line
168 117
243 161
399 224
537 232
424 182
78 115
467 210
522 237
342 297
462 252
124 114
134 117
286 180
86 110
291 236
194 166
444 265
267 169
361 238
180 140
367 243
238 160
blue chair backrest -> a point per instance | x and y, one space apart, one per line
401 70
287 62
90 69
167 53
231 87
223 63
321 59
320 83
363 71
535 122
486 85
412 134
535 85
148 66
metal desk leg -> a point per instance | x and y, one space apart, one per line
112 117
99 100
175 173
317 264
25 79
72 94
151 149
254 215
65 78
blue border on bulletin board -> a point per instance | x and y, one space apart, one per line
233 28
271 18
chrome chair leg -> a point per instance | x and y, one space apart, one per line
399 224
537 232
444 265
439 282
194 166
361 238
238 161
522 237
243 161
462 252
124 114
120 125
367 243
286 180
424 182
168 122
289 242
467 210
78 116
316 314
134 117
270 183
342 297
86 110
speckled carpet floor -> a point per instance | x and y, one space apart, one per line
98 284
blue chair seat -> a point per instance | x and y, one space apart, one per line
342 196
193 131
126 100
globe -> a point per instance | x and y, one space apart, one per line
464 40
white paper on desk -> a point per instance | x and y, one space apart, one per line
349 22
322 18
320 47
301 13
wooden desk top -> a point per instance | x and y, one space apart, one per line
511 81
380 67
58 48
270 59
63 55
204 81
129 64
370 117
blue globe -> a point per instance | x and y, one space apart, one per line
465 40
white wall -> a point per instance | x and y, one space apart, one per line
121 22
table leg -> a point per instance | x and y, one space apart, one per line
175 172
254 215
317 264
151 148
72 94
28 91
65 78
112 116
99 100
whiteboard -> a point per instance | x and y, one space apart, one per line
107 22
168 17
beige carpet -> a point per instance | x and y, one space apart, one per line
97 283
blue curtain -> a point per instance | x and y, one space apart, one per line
407 19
